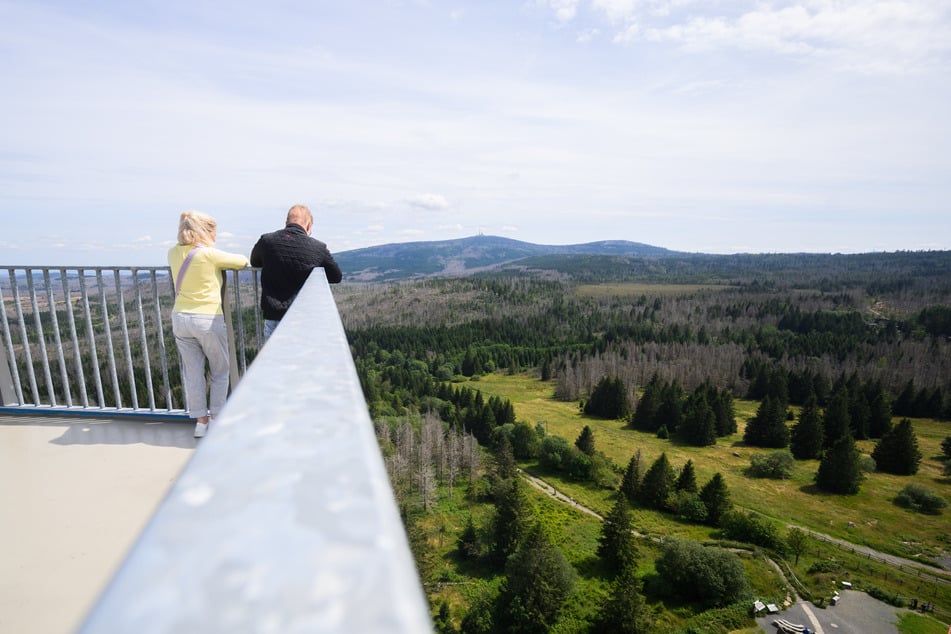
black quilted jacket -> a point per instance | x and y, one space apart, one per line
286 258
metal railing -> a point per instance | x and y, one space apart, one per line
98 339
284 519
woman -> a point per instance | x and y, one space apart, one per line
197 320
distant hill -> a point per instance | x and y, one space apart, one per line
469 255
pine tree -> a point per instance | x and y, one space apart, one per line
716 497
840 470
538 580
699 426
806 438
768 428
687 480
722 405
505 466
645 415
585 441
671 411
631 482
658 484
616 543
468 543
836 422
880 415
897 452
442 621
609 400
508 523
625 611
859 412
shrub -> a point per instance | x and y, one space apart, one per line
711 576
690 507
824 566
554 453
921 499
753 529
890 598
777 465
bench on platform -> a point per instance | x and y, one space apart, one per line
787 627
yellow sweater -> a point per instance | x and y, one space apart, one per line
201 287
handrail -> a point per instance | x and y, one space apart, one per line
284 519
98 339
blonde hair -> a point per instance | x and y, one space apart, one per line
196 228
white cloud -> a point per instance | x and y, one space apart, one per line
857 35
587 35
431 202
564 10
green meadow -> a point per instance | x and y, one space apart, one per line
869 518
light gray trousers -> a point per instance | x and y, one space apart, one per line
201 337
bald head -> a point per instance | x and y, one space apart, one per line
300 215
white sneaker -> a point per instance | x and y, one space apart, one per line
200 429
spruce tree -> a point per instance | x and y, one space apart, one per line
716 497
625 611
687 480
645 414
616 543
722 405
840 469
897 452
631 482
805 441
860 413
508 523
671 411
880 415
699 426
609 399
657 484
585 441
468 543
538 580
836 422
768 428
505 466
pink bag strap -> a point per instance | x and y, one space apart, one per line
181 271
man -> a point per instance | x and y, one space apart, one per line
286 258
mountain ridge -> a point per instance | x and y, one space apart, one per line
463 256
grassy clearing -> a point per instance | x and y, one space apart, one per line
875 521
636 289
868 518
912 623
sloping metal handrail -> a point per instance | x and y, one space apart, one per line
98 339
284 519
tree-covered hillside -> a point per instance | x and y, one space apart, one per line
829 348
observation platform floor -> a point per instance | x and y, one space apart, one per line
75 492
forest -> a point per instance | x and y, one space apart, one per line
833 368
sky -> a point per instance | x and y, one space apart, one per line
715 126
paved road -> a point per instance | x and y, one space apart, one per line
856 613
